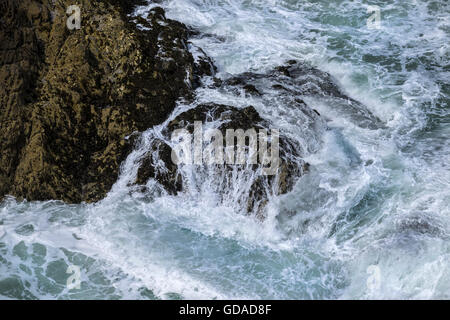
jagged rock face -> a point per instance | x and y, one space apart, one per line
69 98
290 168
165 172
297 79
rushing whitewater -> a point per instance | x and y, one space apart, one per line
370 219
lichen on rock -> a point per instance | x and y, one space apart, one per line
69 98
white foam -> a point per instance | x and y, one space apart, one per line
368 201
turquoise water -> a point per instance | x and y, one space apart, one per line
370 220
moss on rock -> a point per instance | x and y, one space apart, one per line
69 98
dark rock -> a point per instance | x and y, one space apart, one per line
283 70
158 13
249 88
279 87
298 79
157 164
69 98
235 118
422 223
196 34
203 66
290 168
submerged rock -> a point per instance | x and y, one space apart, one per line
70 97
297 79
222 177
157 164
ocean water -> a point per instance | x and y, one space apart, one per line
370 220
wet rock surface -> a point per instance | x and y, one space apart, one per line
298 79
289 168
157 164
70 97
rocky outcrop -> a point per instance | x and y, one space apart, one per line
70 98
289 168
71 101
298 79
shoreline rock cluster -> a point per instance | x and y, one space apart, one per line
70 99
